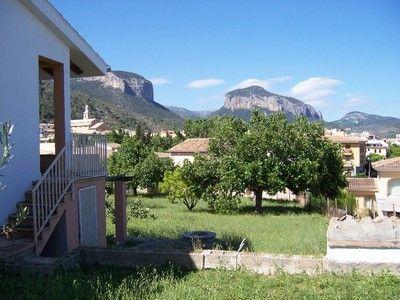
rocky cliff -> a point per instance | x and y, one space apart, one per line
247 99
127 82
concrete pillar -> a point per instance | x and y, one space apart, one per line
120 210
59 107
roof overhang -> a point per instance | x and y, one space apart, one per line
84 60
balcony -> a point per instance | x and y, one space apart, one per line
388 203
347 152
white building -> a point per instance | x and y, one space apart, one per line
375 146
36 44
188 149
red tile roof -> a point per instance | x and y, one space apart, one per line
392 164
194 145
362 185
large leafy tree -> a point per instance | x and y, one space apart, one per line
198 128
124 162
252 164
303 144
394 151
150 171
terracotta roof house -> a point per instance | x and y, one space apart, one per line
353 152
65 195
187 149
381 194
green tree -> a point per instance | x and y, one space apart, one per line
150 172
117 136
330 180
393 151
198 128
303 145
253 163
176 189
225 133
373 157
124 162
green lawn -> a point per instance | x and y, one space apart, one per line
172 283
282 228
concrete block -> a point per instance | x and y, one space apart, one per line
214 259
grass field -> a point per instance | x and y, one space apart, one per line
172 283
282 228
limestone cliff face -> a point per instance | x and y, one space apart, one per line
127 82
257 97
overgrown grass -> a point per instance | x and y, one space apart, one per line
172 283
282 228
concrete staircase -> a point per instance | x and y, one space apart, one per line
24 232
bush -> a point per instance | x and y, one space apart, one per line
347 201
221 203
138 210
176 189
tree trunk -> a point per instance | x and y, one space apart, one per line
258 195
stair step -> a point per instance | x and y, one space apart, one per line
26 231
28 221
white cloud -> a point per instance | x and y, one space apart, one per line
160 81
265 83
353 100
210 98
315 90
205 83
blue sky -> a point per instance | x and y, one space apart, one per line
336 55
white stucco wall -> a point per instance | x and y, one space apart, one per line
22 39
363 255
179 159
383 180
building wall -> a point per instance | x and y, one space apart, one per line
99 183
359 154
383 180
179 159
23 39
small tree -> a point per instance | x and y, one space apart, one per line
124 162
6 155
150 172
176 189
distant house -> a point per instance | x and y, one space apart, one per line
353 152
188 149
375 146
64 193
381 194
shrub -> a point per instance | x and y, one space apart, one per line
347 201
176 189
221 203
137 209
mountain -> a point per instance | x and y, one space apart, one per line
189 114
358 122
122 99
242 101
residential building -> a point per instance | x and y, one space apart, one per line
353 152
188 149
395 141
375 146
64 191
380 194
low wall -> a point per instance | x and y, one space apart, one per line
371 241
261 263
208 259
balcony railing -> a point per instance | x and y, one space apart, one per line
89 155
388 203
84 156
